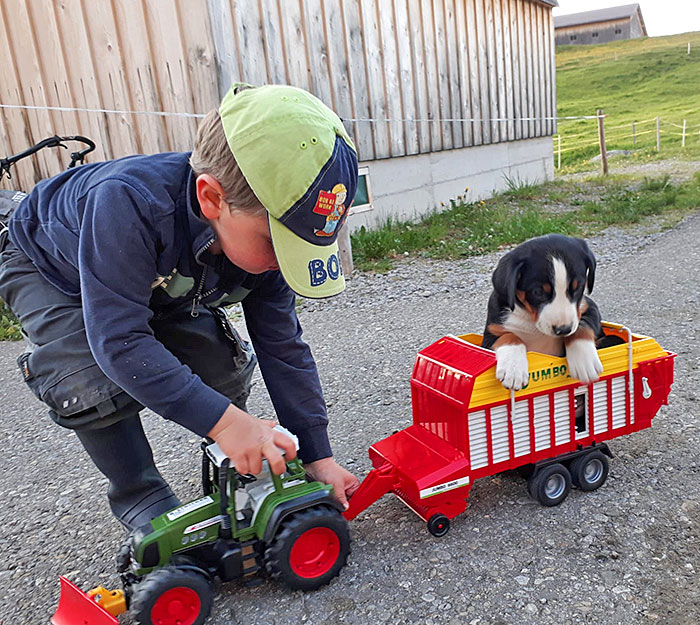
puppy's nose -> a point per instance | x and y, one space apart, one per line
562 330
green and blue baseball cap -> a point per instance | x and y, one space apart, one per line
301 164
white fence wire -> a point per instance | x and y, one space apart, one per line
629 135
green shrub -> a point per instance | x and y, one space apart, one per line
9 326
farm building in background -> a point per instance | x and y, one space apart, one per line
601 26
439 95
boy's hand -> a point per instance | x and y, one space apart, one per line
246 440
330 472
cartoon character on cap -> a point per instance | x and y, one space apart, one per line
336 213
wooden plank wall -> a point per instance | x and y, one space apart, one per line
143 55
409 76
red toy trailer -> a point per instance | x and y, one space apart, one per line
466 425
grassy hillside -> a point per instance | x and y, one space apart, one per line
634 80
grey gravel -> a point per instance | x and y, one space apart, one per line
626 554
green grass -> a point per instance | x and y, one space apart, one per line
632 81
577 208
464 229
9 327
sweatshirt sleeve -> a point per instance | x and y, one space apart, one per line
117 262
287 365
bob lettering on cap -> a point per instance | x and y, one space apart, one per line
319 271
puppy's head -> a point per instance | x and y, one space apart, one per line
547 276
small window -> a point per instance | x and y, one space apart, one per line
618 31
572 37
363 197
594 35
581 413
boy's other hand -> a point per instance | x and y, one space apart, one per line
330 472
246 440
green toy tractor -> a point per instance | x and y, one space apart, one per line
289 526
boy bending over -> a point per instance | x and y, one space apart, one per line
117 272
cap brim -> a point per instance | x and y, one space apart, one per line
310 270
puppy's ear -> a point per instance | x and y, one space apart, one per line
505 277
590 261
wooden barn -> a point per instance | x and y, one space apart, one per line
600 26
439 95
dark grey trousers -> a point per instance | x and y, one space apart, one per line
59 368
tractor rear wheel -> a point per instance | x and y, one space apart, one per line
171 596
309 549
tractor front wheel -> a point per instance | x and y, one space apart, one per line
310 548
171 596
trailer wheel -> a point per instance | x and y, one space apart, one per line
438 525
589 471
550 485
171 596
310 548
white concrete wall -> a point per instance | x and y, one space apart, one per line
407 187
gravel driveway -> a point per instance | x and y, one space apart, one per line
628 553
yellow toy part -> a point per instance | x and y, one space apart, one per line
549 372
111 600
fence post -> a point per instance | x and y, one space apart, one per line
601 136
634 133
683 137
658 134
345 251
559 151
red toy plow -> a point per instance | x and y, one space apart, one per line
78 608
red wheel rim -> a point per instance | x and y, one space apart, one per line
177 606
315 552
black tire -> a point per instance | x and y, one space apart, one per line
438 525
309 549
123 557
589 471
171 596
550 485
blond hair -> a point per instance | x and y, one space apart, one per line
212 155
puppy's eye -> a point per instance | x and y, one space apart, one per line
541 292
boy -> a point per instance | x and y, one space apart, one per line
116 271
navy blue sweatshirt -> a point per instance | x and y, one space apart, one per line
126 236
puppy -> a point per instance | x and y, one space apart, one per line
538 303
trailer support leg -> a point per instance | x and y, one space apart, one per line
378 483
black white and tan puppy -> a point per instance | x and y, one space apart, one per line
539 304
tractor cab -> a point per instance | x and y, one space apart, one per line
245 493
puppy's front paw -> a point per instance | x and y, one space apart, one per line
511 366
584 363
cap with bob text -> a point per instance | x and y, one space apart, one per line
301 164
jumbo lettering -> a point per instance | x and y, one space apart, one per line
547 374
